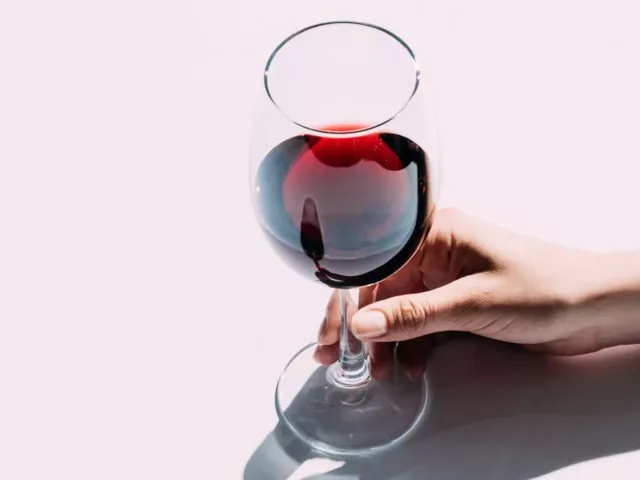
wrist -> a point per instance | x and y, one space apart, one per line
609 296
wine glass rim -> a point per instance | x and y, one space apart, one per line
291 37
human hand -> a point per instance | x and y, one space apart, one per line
471 276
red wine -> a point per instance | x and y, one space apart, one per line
347 211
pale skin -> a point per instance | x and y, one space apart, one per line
472 276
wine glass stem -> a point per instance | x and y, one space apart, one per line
352 368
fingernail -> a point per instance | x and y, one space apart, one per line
369 324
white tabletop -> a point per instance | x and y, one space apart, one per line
143 320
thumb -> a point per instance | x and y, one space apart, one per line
410 316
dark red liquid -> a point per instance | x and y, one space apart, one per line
347 211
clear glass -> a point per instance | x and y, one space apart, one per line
340 101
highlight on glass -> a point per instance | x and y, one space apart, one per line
344 178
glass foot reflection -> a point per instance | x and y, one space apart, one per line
353 421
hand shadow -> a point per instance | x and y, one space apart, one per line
496 412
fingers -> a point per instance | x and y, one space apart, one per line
328 340
410 316
327 349
329 332
327 354
367 295
380 359
413 355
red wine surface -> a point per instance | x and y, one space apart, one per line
345 211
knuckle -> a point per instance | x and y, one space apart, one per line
412 315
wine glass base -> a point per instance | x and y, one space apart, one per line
348 421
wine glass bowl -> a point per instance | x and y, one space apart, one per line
343 170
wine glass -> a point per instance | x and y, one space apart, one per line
343 170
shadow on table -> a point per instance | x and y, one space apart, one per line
495 412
